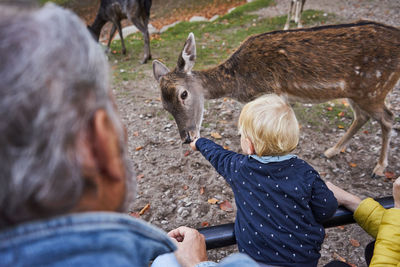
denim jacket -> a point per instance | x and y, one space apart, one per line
89 239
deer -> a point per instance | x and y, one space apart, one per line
359 61
295 11
137 11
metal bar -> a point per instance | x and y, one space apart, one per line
223 235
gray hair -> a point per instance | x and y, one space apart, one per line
54 77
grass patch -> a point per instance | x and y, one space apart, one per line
58 2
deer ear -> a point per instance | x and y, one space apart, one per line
188 56
159 70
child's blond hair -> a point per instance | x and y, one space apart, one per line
271 125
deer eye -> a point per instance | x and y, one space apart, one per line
184 95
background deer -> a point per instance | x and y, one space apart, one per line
295 11
360 62
137 11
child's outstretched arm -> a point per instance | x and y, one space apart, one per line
224 161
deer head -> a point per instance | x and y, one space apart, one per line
181 91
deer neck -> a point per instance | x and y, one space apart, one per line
226 80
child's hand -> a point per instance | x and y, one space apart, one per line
193 144
396 193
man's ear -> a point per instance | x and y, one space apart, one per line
106 150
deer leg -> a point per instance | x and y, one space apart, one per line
113 29
142 26
118 23
288 16
299 23
385 119
360 118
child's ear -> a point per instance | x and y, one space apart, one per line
250 147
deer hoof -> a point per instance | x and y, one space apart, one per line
329 153
378 172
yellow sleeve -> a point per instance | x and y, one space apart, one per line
369 215
387 244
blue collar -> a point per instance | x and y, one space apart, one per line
268 159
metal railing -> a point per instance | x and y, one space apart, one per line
223 235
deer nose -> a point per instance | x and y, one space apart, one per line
187 139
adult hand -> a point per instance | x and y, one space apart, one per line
193 144
191 246
344 198
396 193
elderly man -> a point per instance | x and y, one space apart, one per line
65 171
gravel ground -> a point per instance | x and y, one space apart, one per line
177 183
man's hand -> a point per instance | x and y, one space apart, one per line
193 144
191 246
396 193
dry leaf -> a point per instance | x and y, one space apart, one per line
201 190
212 201
352 164
340 126
341 114
365 131
338 257
343 150
226 206
345 103
187 153
216 135
135 133
145 208
204 224
140 176
389 175
354 243
139 148
329 108
226 147
225 99
185 187
341 227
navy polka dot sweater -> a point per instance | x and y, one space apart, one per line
280 206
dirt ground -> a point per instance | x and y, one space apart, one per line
177 183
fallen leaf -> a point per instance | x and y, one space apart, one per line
204 224
226 147
352 165
343 150
340 126
389 175
140 176
345 103
365 131
185 187
329 108
139 148
212 201
216 135
354 243
135 133
145 208
226 206
341 227
187 153
338 257
341 114
134 214
201 190
225 99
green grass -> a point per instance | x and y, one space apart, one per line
58 2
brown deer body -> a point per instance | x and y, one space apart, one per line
294 14
360 62
137 11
